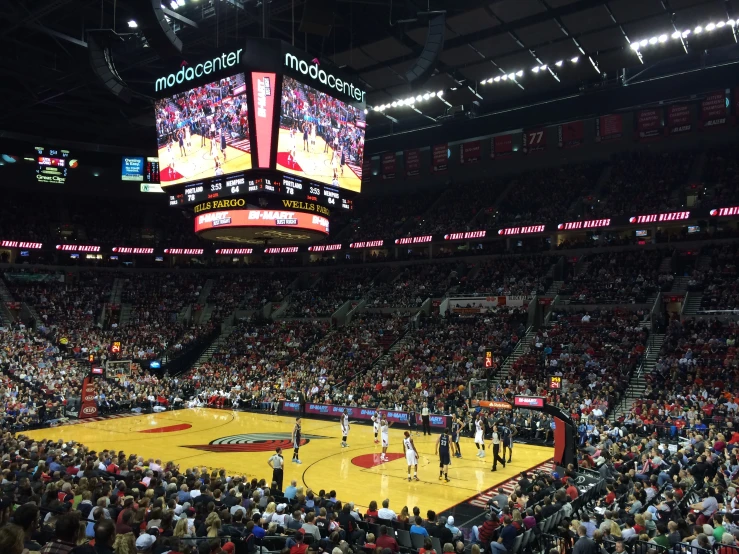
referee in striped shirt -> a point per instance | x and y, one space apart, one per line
277 463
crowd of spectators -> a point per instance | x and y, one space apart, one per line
720 177
641 182
410 286
333 289
628 277
543 196
504 276
719 282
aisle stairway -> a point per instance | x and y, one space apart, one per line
5 314
693 303
521 348
638 384
553 289
206 356
680 285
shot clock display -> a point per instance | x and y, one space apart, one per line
555 382
488 360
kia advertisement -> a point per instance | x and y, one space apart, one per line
320 138
203 132
89 407
365 414
262 218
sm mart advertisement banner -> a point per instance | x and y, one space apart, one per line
363 414
481 304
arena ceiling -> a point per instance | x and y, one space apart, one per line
522 49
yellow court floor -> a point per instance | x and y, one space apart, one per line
241 442
198 163
314 163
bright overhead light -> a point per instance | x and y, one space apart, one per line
426 96
698 30
676 34
575 59
432 94
173 4
644 42
511 76
686 33
483 82
366 111
710 27
394 104
440 93
419 98
491 80
634 46
519 73
543 67
731 22
497 79
653 40
132 24
720 24
559 63
180 2
535 69
504 77
663 38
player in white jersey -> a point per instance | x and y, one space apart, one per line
344 429
384 433
376 424
411 455
480 436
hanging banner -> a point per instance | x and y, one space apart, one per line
648 124
469 152
388 166
678 120
501 147
608 127
571 135
713 110
534 140
439 158
412 163
366 169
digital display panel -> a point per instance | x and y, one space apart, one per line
320 138
132 169
52 165
203 132
528 401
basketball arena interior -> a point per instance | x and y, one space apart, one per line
369 277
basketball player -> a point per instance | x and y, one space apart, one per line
181 141
480 435
170 155
335 165
442 449
497 441
506 434
305 137
313 135
384 434
412 423
188 141
344 429
456 431
223 144
296 441
376 424
411 455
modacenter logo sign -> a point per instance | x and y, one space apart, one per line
313 71
190 73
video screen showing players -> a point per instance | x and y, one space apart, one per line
321 138
203 132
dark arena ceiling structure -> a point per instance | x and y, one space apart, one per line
496 55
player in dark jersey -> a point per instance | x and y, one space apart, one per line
296 441
442 449
456 432
412 423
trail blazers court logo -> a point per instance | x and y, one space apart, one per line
253 442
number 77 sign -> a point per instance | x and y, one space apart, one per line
534 140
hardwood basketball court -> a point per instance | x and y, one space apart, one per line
241 442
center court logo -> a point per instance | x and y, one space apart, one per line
253 442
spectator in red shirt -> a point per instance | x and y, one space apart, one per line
572 491
384 540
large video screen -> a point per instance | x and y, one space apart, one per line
203 132
321 138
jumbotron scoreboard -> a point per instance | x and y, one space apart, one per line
262 145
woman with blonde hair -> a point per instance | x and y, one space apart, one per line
269 511
213 525
124 544
615 530
181 529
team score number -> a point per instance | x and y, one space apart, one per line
215 186
191 198
234 190
314 190
331 201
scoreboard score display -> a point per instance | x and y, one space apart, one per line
260 150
